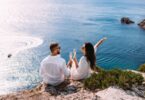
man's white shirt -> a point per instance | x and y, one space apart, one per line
53 70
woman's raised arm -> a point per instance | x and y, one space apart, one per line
100 42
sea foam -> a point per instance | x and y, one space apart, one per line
14 44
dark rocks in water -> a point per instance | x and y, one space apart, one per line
142 24
126 20
9 55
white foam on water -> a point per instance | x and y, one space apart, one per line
15 44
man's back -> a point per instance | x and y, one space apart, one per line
53 70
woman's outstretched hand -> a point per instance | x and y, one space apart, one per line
100 42
105 38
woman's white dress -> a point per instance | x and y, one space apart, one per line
83 71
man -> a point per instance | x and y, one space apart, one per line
53 68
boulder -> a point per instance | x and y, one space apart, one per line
9 55
126 20
142 24
115 93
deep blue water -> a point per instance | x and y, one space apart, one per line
71 23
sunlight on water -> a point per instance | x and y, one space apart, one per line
14 44
14 74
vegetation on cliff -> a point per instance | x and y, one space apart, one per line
142 68
114 77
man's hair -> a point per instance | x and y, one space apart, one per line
53 46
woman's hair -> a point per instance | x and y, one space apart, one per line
90 55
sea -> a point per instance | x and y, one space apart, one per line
28 27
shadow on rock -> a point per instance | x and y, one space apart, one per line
64 88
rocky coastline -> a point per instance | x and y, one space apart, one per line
74 90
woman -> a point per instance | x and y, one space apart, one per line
86 65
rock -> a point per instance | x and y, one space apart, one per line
126 20
131 93
62 89
113 93
139 90
71 89
142 24
52 90
75 91
9 55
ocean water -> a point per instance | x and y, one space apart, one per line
27 27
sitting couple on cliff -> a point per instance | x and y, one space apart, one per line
54 69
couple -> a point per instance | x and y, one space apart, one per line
54 69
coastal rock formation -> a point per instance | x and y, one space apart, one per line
114 93
65 91
9 55
142 24
73 91
126 20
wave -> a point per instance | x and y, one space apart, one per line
14 44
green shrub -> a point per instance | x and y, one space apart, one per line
127 79
142 68
115 77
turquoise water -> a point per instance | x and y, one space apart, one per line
35 24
